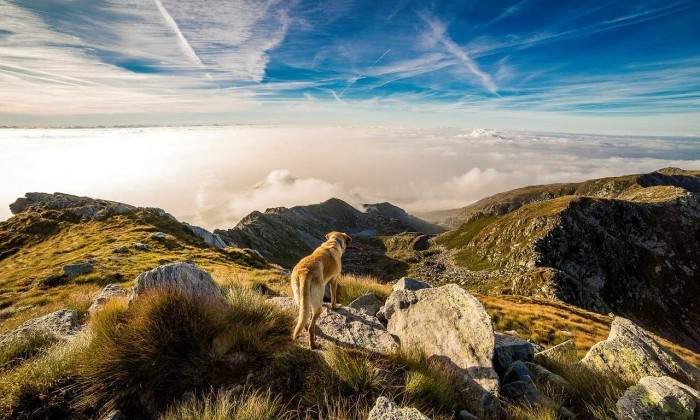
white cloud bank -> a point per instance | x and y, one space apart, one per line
214 176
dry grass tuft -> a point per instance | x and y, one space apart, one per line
226 405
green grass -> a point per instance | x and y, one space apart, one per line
24 347
23 386
351 287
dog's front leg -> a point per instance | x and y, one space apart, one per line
334 288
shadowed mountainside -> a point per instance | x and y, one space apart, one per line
284 235
634 254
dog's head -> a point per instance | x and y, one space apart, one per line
342 238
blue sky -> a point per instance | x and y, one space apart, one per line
587 66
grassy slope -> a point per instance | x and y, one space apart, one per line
23 296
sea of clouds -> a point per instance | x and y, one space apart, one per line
214 176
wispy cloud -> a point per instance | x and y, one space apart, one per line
438 33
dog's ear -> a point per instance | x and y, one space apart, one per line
348 239
328 236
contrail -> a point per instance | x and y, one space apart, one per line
186 47
361 76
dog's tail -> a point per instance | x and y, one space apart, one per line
304 308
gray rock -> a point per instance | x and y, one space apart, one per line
545 377
630 353
159 235
658 398
108 292
520 392
518 372
184 276
466 415
508 349
385 409
121 250
368 303
407 283
60 324
284 302
78 269
142 247
449 323
563 353
346 327
212 239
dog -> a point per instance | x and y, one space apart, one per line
309 279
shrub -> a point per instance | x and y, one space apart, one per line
224 405
169 342
355 369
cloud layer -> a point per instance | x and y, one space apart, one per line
214 176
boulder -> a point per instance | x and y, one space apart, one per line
368 303
78 269
518 371
658 398
346 327
564 353
159 235
385 409
60 324
407 283
545 377
508 349
630 353
449 323
521 392
184 276
108 292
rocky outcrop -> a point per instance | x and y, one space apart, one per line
632 354
561 353
284 235
624 245
385 409
60 324
111 290
212 239
659 398
368 304
346 327
509 349
450 324
183 276
72 206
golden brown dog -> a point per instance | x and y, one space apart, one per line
309 279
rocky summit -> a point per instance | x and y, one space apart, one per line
284 235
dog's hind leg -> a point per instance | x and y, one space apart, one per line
315 313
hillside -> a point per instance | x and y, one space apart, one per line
612 187
635 254
284 235
117 241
